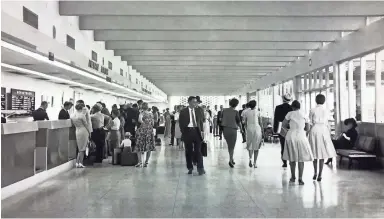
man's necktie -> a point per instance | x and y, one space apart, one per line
193 118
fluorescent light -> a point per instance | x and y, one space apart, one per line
66 67
62 80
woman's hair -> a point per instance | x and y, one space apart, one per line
114 106
88 107
79 106
350 121
252 104
96 108
296 105
233 103
320 99
144 106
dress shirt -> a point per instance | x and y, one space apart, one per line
192 111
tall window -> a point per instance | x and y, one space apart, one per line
110 65
121 72
380 114
94 56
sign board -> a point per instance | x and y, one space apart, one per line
22 100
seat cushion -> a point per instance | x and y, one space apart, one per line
354 154
368 145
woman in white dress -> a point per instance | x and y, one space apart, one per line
252 122
297 148
207 122
320 136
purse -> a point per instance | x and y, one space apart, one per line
90 148
204 149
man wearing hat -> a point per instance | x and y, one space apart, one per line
280 112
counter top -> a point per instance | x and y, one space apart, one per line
18 127
54 124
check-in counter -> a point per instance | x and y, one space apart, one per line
29 148
18 141
53 144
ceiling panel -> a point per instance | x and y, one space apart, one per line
216 47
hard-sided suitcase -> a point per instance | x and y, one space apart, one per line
160 130
128 158
116 157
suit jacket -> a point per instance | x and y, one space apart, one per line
280 112
184 119
40 115
219 117
63 114
201 112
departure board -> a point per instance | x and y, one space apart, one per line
3 98
22 100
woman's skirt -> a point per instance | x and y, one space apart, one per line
82 138
297 148
145 139
321 143
230 136
177 130
254 137
114 139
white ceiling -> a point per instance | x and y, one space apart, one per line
215 48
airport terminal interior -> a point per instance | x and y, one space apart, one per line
192 109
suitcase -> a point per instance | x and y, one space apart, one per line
128 158
90 159
160 130
158 142
116 157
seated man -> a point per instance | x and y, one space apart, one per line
347 140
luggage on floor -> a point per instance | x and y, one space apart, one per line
158 142
128 158
160 130
90 159
116 157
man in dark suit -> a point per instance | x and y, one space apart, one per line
173 127
219 120
41 114
191 126
64 114
280 112
130 120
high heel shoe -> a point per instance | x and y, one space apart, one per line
233 162
292 180
301 182
146 164
139 164
230 164
319 179
329 162
315 177
250 164
254 166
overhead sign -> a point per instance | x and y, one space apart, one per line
94 65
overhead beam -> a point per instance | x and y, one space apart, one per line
209 58
146 68
276 53
202 63
220 23
111 45
357 44
217 8
223 35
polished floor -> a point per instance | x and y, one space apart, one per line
165 190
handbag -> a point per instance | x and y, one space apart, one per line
90 148
204 149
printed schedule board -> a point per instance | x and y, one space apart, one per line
3 98
22 100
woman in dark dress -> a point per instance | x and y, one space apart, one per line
348 139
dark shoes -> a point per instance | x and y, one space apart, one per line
285 165
231 164
201 172
190 171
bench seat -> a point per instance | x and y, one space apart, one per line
364 150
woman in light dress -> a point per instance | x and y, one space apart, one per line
167 125
297 148
320 136
207 122
252 122
177 128
83 132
